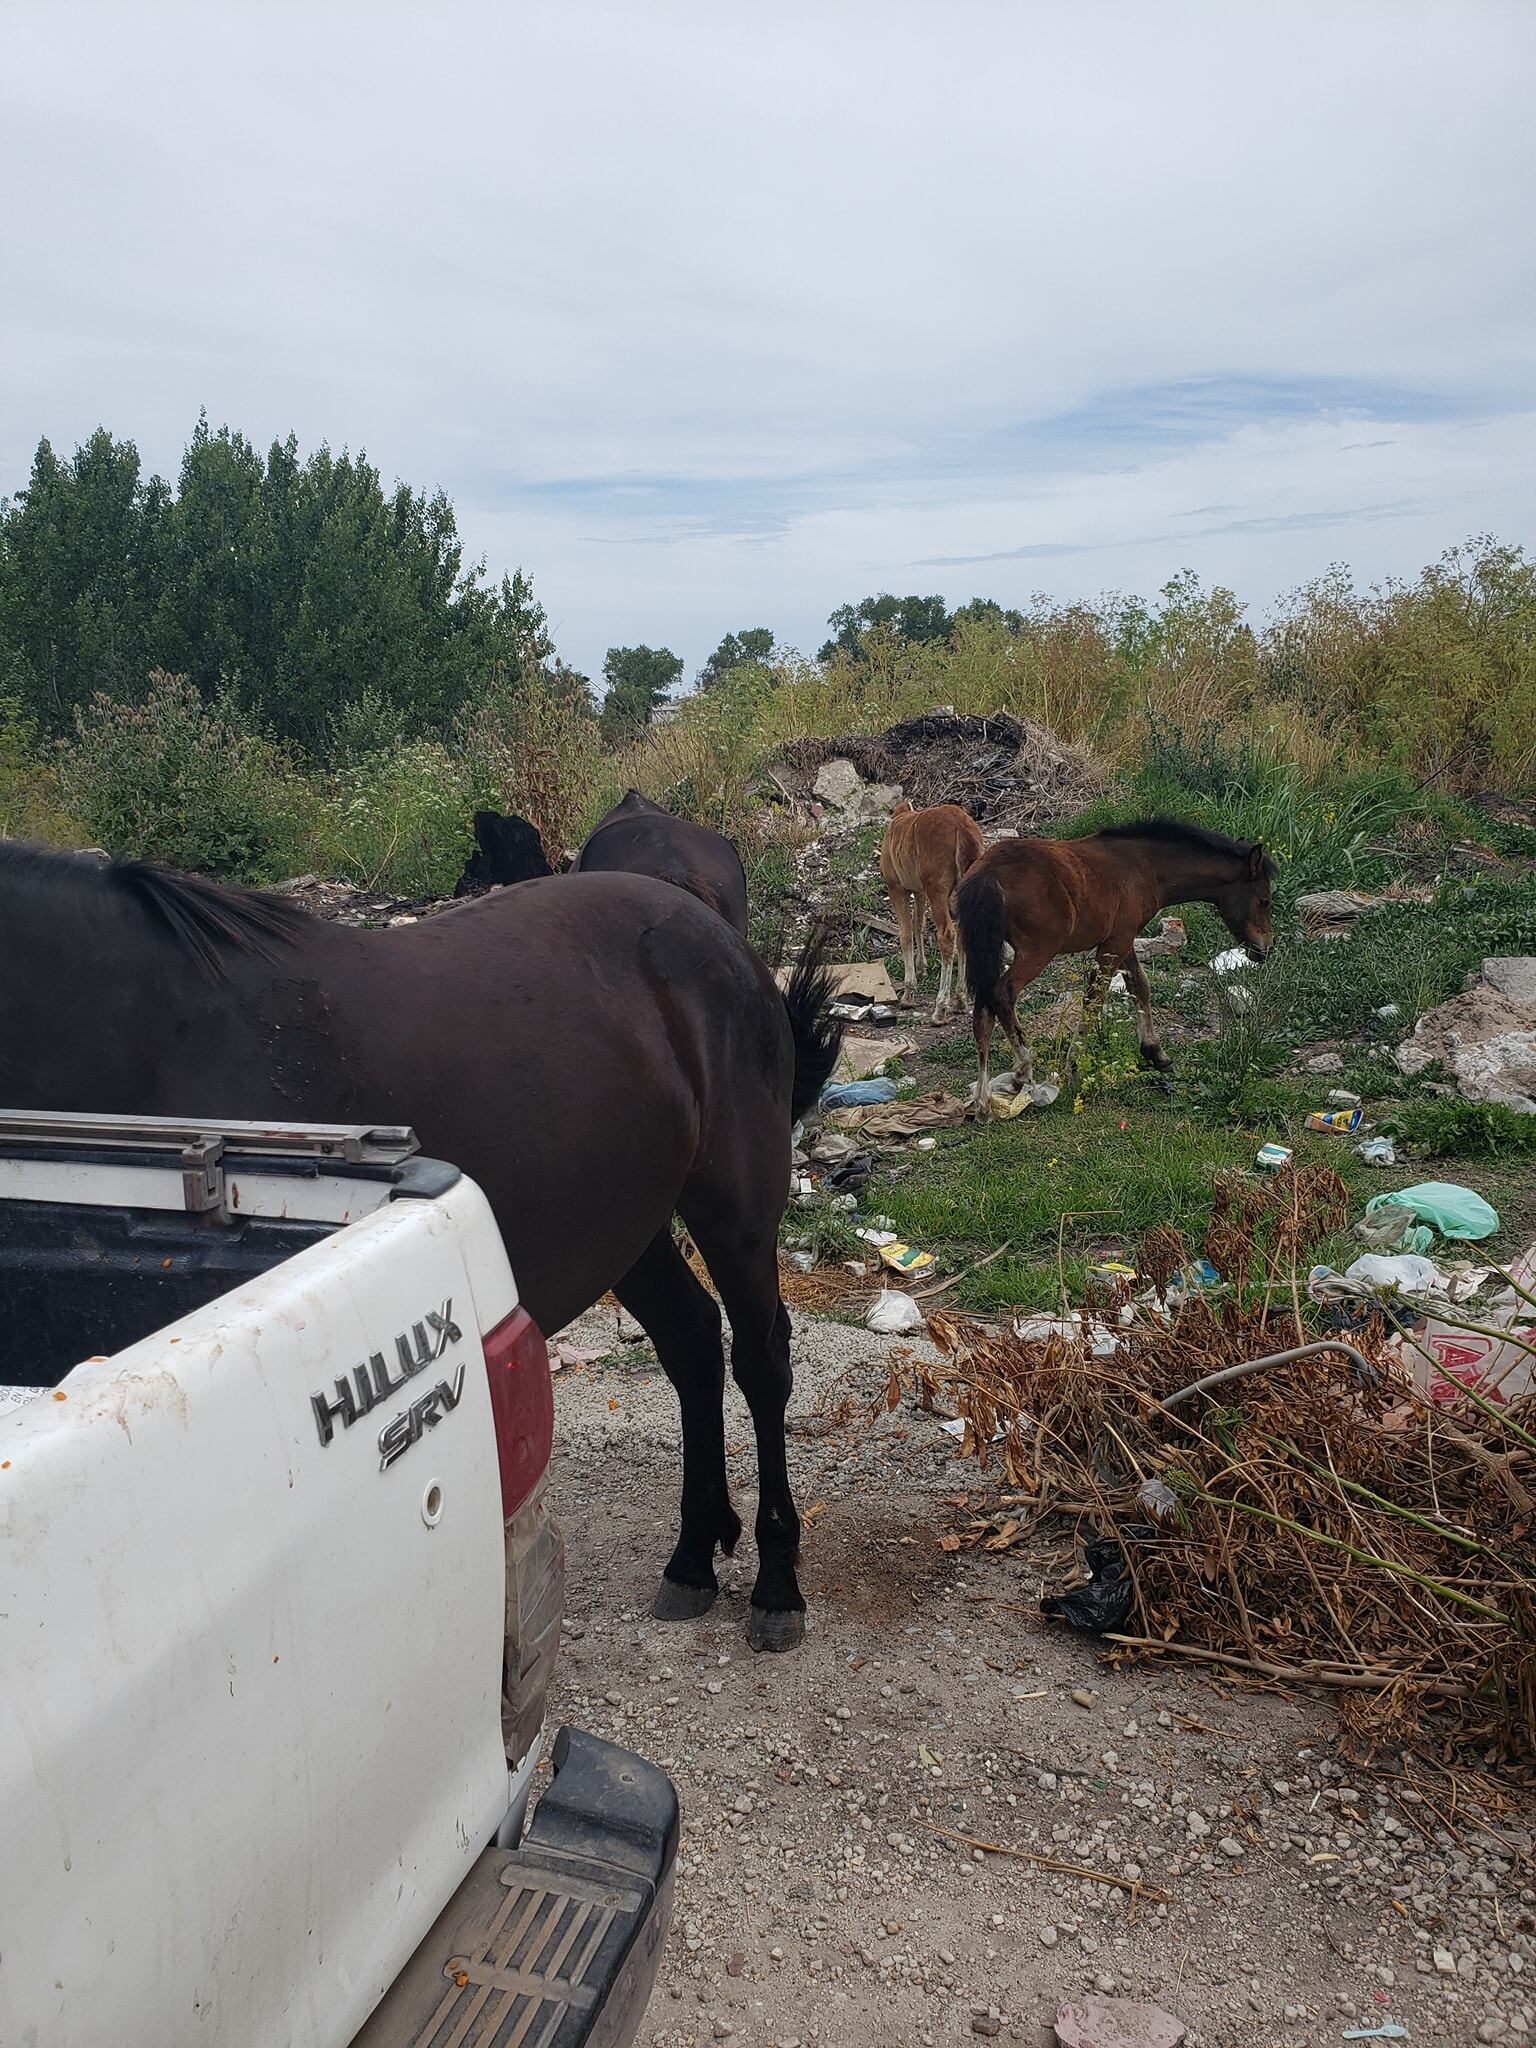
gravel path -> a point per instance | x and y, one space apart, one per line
822 1897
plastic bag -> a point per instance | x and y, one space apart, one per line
1453 1210
1107 1600
855 1094
893 1313
1405 1272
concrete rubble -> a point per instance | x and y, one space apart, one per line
1485 1037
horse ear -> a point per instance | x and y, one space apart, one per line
1256 860
485 825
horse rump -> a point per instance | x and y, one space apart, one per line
981 916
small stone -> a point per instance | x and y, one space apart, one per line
984 2023
1229 1845
1082 1697
1197 1824
1048 1936
1445 1962
1492 2029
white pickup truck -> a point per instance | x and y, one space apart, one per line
280 1597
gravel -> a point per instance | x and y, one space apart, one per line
830 1890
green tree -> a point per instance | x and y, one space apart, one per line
913 618
736 650
637 679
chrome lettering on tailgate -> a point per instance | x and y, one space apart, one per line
407 1428
415 1349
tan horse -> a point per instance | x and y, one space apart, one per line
923 856
1042 897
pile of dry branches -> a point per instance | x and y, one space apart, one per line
1314 1522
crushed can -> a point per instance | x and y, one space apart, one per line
1339 1121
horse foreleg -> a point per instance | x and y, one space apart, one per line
665 1297
1152 1052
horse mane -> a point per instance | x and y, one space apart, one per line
1180 832
210 919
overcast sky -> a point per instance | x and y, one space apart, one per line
720 314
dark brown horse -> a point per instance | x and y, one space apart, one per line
1043 897
507 850
638 837
597 1051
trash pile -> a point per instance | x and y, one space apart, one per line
1005 771
1326 1519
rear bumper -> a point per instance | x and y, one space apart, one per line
556 1942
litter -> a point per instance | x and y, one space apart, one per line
563 1353
1170 937
1402 1273
851 1174
1389 2030
1112 1269
1393 1229
1343 1098
1498 1368
803 1262
901 1258
1106 1602
831 1147
864 1056
1341 1122
878 1238
1377 1151
1272 1157
1102 1341
1232 961
897 1119
856 1094
893 1313
1453 1210
1033 1095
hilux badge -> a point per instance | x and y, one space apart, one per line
360 1392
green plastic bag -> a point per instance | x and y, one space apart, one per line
1454 1211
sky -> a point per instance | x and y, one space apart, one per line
724 313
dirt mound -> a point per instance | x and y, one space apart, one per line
1004 770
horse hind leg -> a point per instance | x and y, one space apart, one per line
743 1263
947 939
909 937
665 1297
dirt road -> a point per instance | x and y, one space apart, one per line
827 1892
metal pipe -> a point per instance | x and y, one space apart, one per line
1238 1372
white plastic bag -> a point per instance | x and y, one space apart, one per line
894 1314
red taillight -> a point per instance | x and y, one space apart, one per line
522 1403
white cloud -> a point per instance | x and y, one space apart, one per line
816 281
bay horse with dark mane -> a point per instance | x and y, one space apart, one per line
1044 897
923 856
638 837
598 1052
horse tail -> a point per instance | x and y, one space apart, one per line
981 916
818 1035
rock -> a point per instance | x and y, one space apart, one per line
1325 1063
1116 2023
1486 1038
1048 1936
840 784
1082 1697
1445 1962
1230 1847
984 2023
1514 976
1333 906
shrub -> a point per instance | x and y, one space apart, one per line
178 779
31 806
532 747
398 820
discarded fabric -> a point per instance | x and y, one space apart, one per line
1377 1151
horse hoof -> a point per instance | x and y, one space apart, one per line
775 1628
1154 1056
682 1603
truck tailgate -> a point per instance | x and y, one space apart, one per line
250 1647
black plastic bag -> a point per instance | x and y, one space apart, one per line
1104 1605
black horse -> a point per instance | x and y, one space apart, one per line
596 1051
638 837
507 850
